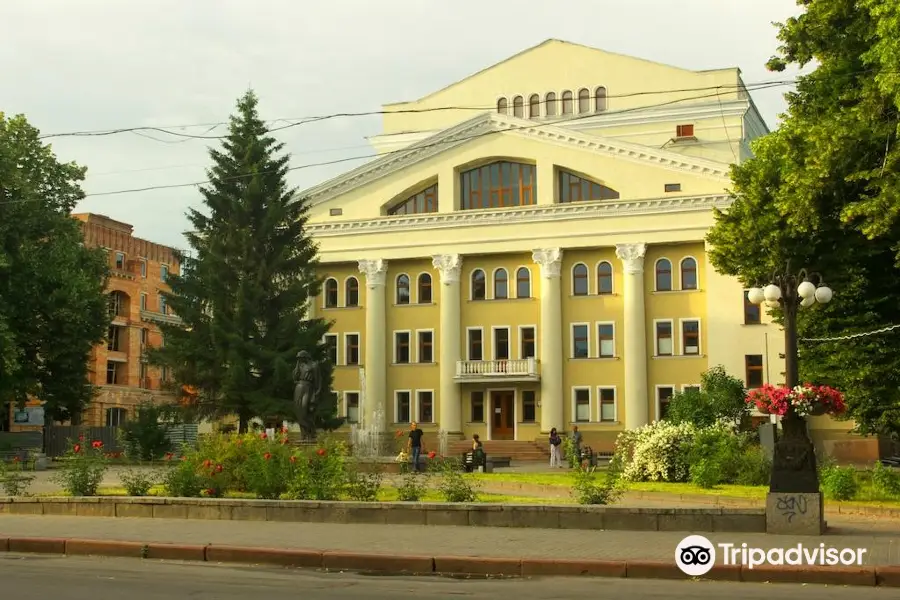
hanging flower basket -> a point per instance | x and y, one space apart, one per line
806 400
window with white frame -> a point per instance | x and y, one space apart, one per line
690 337
402 296
690 388
523 283
688 273
582 400
664 346
663 275
352 401
527 342
664 394
580 280
425 346
401 347
351 348
604 278
331 347
351 292
607 398
580 341
424 295
606 340
501 284
501 343
402 406
425 405
331 293
476 344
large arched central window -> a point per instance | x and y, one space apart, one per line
498 185
425 201
573 188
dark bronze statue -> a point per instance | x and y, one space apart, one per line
307 388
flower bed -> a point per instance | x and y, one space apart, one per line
806 400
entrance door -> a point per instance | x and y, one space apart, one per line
503 426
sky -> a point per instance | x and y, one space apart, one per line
91 65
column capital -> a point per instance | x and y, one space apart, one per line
375 271
449 266
550 260
632 257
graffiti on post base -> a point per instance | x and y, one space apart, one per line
789 506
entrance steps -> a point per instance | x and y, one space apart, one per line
515 450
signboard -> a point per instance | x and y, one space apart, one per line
30 415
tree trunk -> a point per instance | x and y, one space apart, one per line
243 424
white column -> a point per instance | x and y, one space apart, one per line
637 400
375 360
450 416
551 338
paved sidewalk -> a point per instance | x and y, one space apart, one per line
882 541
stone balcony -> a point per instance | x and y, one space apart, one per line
486 371
158 317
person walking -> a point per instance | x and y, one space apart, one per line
555 443
414 444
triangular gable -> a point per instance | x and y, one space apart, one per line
496 124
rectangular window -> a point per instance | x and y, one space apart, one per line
582 405
663 395
684 130
476 346
752 312
164 272
607 405
162 304
664 338
352 399
672 187
143 301
529 407
144 269
477 407
580 344
426 346
690 388
120 261
403 407
426 406
501 343
690 337
145 338
335 212
351 344
331 347
606 340
401 347
753 364
527 342
112 372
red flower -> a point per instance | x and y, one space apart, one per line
81 438
17 459
432 454
321 451
218 468
284 430
76 448
267 455
239 442
210 492
293 459
207 463
285 441
97 444
399 433
168 456
263 435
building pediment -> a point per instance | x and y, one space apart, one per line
487 124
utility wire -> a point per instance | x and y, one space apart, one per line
854 336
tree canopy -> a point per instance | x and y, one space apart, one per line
244 285
53 306
721 398
821 193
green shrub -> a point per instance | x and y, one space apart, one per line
138 482
707 473
588 489
454 486
885 481
183 479
82 468
839 483
268 472
752 466
413 486
145 437
656 452
319 474
361 486
13 479
712 455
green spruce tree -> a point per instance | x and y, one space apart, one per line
243 289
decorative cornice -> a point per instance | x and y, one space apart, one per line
598 209
449 266
632 257
550 260
375 271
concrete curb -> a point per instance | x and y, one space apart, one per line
885 576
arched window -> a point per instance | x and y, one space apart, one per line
573 188
424 296
523 283
331 293
498 185
600 99
501 284
663 275
604 278
584 101
550 105
689 274
403 289
568 103
478 287
502 106
579 280
425 201
519 107
120 304
351 292
534 106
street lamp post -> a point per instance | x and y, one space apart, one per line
794 459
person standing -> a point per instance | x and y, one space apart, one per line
555 442
414 444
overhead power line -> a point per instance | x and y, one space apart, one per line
852 336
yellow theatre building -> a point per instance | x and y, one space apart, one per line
540 262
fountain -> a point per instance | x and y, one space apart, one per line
367 438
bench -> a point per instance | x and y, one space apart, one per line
490 462
893 461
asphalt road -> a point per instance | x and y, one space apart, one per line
30 577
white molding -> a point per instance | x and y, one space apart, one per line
674 337
681 273
632 257
530 281
494 284
671 275
681 323
347 348
612 277
412 405
418 413
358 404
597 332
539 213
433 346
550 261
358 294
449 266
572 327
469 344
575 389
657 399
375 271
409 333
418 288
519 332
587 278
490 122
494 330
615 418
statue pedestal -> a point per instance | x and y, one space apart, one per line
790 513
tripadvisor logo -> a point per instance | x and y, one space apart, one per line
695 555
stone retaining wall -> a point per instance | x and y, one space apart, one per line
713 519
